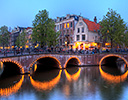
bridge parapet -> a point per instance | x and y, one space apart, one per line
25 62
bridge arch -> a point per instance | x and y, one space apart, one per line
43 57
115 56
73 61
13 62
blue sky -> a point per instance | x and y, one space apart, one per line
15 13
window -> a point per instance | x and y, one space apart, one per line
71 24
60 41
78 37
71 31
78 30
67 25
63 31
83 37
60 26
82 29
67 31
57 27
95 37
80 23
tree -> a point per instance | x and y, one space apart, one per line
21 39
112 27
4 36
125 38
43 29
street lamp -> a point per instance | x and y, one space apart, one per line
66 45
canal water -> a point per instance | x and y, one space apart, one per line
76 83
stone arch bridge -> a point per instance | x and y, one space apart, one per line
25 62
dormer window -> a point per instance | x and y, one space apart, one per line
80 23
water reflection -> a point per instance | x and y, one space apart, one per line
112 78
74 76
45 85
1 68
7 91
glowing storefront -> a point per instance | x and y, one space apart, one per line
86 34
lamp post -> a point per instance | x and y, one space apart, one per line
66 45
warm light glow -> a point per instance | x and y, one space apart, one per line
74 47
15 62
87 45
26 46
107 31
46 57
20 46
74 76
1 47
93 44
65 25
37 44
1 65
70 59
35 67
65 42
107 44
113 55
111 78
9 91
46 85
12 46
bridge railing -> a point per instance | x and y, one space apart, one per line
69 52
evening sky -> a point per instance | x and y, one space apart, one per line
21 13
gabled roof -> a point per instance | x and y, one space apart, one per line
92 26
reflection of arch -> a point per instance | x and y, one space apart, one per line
111 78
8 91
71 59
46 85
113 55
15 62
74 76
46 57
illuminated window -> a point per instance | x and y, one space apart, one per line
67 25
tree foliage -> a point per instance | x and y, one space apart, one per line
113 27
21 39
43 29
125 38
4 36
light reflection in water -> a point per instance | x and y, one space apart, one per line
74 76
8 91
47 85
111 78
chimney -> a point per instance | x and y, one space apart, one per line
95 19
